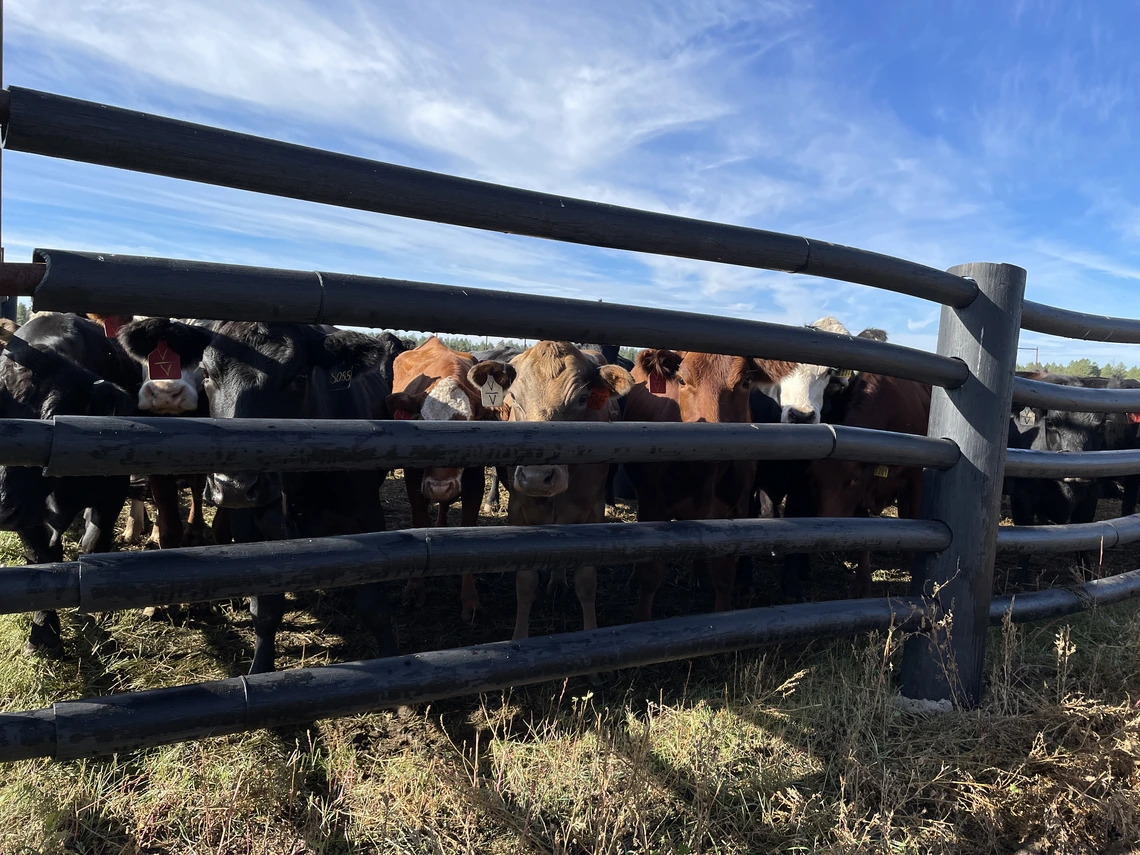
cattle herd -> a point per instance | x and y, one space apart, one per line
64 364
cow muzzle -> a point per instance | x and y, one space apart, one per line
541 481
168 397
243 489
442 485
796 416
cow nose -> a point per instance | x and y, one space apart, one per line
800 417
541 481
242 490
441 489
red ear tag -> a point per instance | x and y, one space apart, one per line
657 383
1134 418
111 327
402 415
598 398
163 363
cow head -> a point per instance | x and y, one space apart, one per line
433 385
707 387
167 393
553 382
265 371
804 391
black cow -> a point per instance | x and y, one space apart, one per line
1071 500
286 371
58 365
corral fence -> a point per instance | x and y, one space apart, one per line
964 453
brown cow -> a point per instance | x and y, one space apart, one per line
552 382
845 488
431 383
693 387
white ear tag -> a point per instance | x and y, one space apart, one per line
491 393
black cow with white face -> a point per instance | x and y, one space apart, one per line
59 365
289 371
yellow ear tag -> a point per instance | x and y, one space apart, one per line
881 472
843 374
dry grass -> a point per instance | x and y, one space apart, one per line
779 750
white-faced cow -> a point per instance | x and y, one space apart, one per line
287 371
431 383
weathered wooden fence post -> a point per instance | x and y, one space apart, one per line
947 664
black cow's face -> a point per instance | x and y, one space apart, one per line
262 371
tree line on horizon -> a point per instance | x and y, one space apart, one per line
1087 368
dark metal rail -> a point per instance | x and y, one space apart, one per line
55 126
123 580
114 284
1078 537
1065 322
105 725
1051 396
1023 463
91 445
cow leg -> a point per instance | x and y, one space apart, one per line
267 610
164 491
1131 491
195 522
491 503
526 590
40 547
611 499
441 514
649 575
375 613
1021 511
797 565
136 522
722 572
415 590
222 528
586 587
471 493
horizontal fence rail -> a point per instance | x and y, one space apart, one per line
114 723
97 445
56 126
98 726
1078 399
1065 322
116 284
1023 463
1077 537
108 581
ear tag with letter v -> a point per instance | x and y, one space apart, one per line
491 393
163 363
657 383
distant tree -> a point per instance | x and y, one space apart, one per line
23 312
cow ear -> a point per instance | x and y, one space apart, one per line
140 338
411 404
503 372
873 333
767 370
616 379
361 351
664 362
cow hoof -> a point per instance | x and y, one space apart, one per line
469 613
153 613
44 650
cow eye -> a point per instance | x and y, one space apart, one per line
679 381
583 398
745 383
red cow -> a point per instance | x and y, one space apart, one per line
845 488
693 387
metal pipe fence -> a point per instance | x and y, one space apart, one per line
964 452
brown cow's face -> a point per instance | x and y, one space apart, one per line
707 387
553 382
841 486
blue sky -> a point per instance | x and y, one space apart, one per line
941 132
